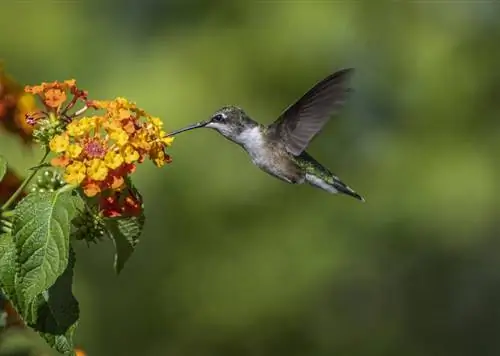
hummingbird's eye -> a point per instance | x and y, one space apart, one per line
218 118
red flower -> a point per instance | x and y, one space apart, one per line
125 202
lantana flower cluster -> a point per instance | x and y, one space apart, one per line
97 152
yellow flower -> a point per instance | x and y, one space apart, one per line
113 159
74 150
71 83
90 122
75 173
80 127
59 143
119 136
100 104
129 154
157 122
75 129
167 140
120 104
158 157
112 125
157 154
123 103
140 140
97 169
123 114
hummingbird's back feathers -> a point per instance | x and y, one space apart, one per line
304 119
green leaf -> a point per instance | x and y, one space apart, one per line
41 229
3 167
125 233
56 313
8 265
62 343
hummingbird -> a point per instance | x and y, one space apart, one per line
279 149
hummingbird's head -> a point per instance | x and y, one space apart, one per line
229 121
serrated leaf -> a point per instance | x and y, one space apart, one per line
62 343
125 233
8 266
56 313
41 229
3 167
58 308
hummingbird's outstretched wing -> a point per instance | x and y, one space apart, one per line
301 121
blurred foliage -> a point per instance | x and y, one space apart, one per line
234 262
23 342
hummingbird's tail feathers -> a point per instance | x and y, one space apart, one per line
345 189
332 184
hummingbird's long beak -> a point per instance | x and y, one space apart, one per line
190 127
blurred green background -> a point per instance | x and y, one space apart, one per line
235 262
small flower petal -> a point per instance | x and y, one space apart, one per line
74 150
119 136
91 189
97 170
59 143
129 154
113 159
75 173
55 97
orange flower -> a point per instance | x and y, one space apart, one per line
53 95
43 88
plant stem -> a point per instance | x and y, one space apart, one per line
23 185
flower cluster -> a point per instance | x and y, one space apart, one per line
53 95
14 105
100 151
56 115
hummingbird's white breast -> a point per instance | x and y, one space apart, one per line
253 142
266 157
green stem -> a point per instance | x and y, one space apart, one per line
23 185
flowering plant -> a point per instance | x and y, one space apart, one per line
83 191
